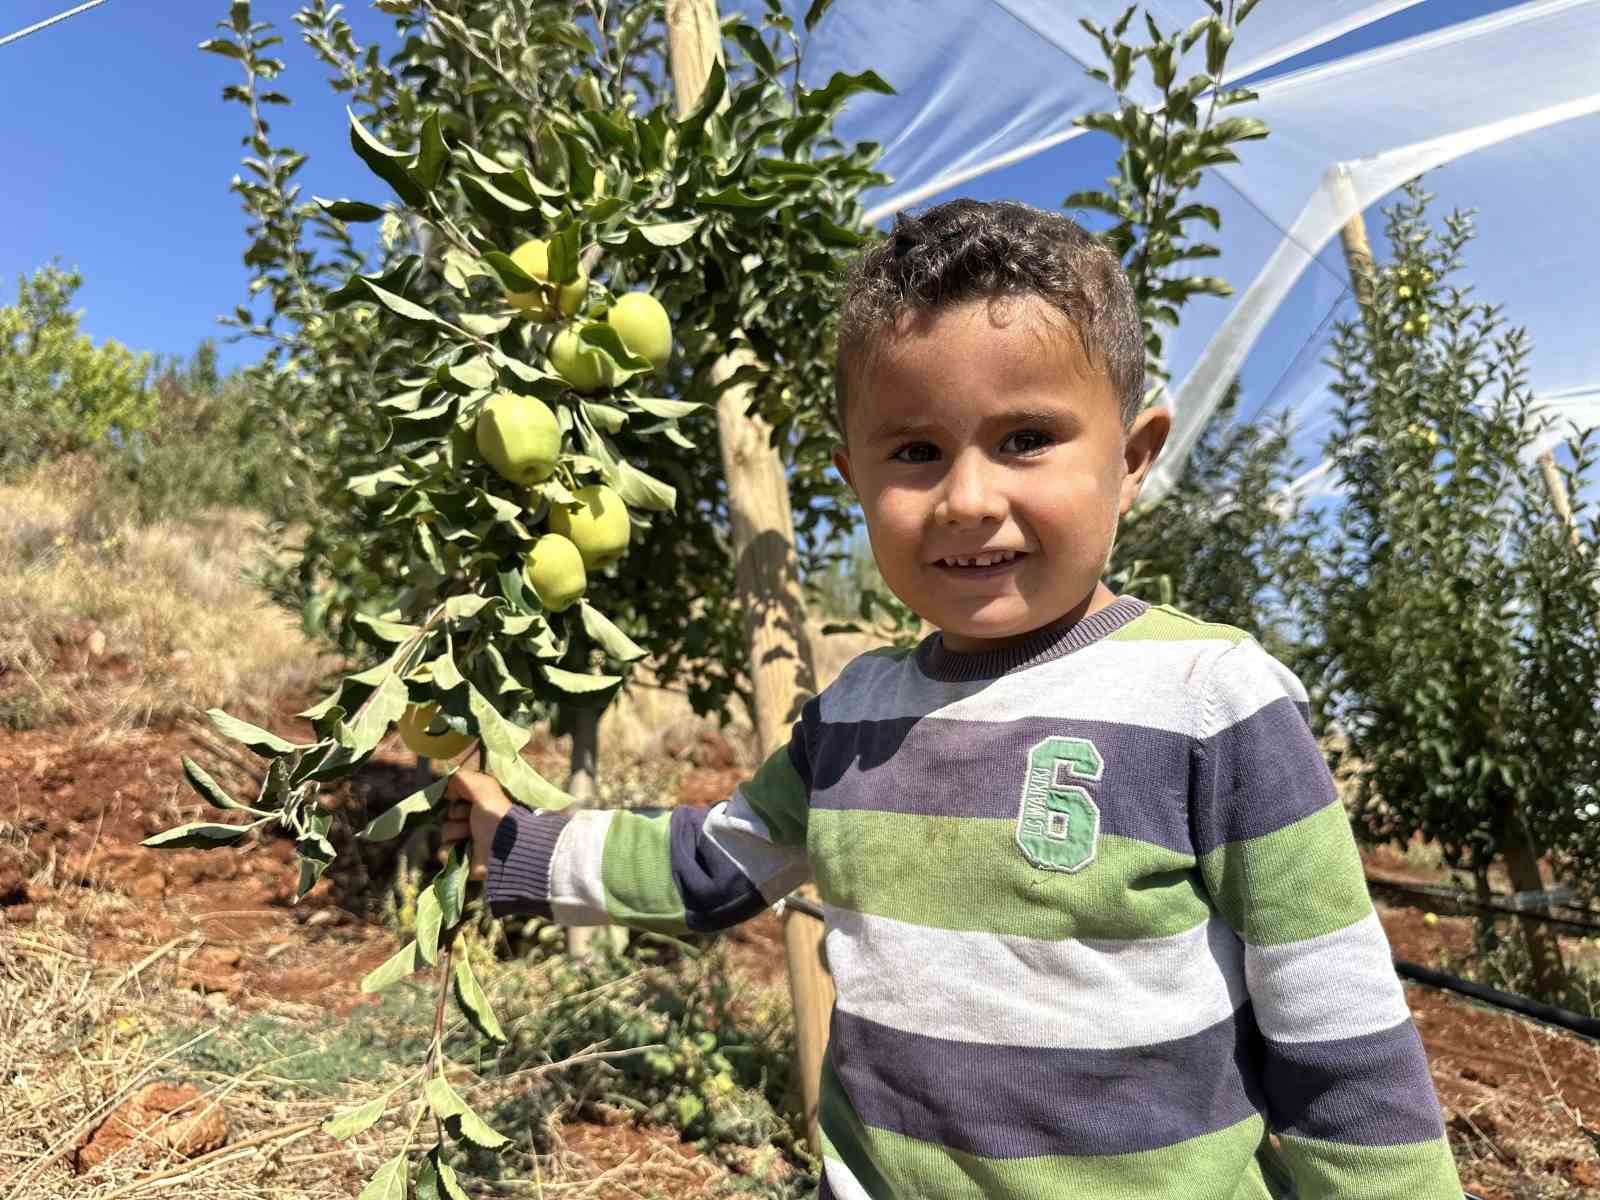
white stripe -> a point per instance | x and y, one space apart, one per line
841 1182
737 830
1339 985
1016 991
1091 684
577 896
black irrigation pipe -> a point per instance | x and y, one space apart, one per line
1451 898
1549 1014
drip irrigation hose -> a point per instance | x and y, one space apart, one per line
1549 1014
1448 896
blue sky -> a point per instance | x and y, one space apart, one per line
121 150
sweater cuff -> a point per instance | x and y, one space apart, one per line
518 882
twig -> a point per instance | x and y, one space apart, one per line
159 952
220 1152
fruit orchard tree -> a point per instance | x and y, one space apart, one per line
1454 617
519 385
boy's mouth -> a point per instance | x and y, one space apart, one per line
980 566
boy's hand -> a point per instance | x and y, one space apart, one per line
477 802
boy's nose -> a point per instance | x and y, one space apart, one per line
971 494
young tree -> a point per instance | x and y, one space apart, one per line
59 392
567 259
1454 619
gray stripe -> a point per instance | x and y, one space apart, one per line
1023 1101
1266 771
937 767
1372 1090
1289 985
1260 775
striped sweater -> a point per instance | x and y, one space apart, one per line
1095 916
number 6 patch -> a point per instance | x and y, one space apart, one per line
1058 822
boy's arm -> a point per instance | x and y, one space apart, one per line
1345 1078
690 869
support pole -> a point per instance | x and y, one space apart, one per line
781 667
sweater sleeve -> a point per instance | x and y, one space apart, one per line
1343 1072
687 869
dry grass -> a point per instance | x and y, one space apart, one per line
181 625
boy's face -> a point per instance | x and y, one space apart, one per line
981 431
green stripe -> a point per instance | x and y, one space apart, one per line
1298 882
1217 1164
779 797
1331 1171
636 873
843 1135
967 873
1163 623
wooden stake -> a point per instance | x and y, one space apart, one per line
781 667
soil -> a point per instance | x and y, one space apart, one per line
1522 1101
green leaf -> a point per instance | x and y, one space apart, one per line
437 1179
449 886
405 815
576 684
390 1181
444 674
432 154
354 1120
388 165
839 89
492 201
223 47
512 277
383 708
464 607
389 631
401 307
639 490
602 336
818 10
393 969
316 852
502 745
253 737
671 409
473 1002
564 250
429 917
200 835
208 789
607 636
756 50
692 126
458 1116
669 233
350 210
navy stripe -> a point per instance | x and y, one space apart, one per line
1022 1101
518 881
934 766
1372 1090
716 893
1258 776
803 740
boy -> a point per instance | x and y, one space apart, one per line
1095 917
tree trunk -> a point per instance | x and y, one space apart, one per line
1540 937
781 670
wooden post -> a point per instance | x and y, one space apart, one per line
781 668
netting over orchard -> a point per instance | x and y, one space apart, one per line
1499 103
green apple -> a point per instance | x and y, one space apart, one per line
585 369
519 437
598 526
554 569
643 325
413 727
533 256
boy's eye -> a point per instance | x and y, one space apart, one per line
1026 441
916 452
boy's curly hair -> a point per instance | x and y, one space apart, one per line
965 250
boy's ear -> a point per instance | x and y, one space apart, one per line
1140 449
841 464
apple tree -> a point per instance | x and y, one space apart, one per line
523 378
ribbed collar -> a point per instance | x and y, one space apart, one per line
951 666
